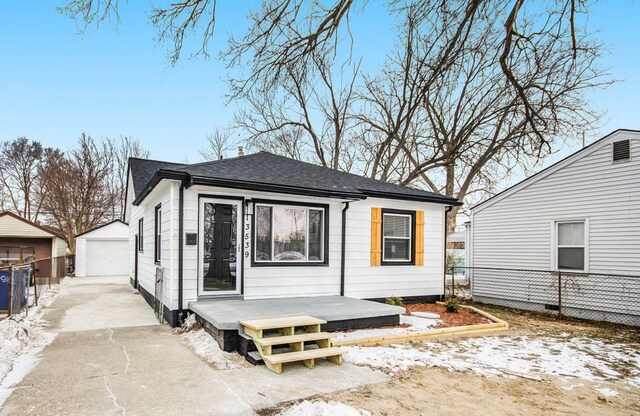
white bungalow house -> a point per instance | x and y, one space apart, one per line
263 226
581 216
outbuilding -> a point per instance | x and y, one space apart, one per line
103 251
22 240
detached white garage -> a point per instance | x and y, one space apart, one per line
103 251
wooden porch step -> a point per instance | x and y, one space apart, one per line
289 339
289 357
281 322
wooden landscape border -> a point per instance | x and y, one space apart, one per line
496 325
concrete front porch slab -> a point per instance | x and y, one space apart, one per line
225 314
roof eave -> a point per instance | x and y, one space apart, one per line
101 226
420 198
275 188
155 180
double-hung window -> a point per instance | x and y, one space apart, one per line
571 245
140 234
157 246
397 237
290 234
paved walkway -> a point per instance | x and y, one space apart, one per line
111 357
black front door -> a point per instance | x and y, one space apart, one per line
219 247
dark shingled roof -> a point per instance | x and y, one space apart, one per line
265 169
142 170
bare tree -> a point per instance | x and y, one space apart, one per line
469 130
320 26
123 149
21 178
79 196
310 107
219 143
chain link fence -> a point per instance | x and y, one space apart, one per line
22 285
593 296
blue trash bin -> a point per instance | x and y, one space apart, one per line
4 290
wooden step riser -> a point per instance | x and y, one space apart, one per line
306 337
299 350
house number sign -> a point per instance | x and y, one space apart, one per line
247 236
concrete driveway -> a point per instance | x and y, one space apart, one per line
111 357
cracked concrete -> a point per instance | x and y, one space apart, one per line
111 357
124 350
113 397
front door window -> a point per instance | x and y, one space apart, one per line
219 245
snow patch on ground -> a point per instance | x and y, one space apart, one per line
606 392
322 408
205 347
584 358
416 324
22 339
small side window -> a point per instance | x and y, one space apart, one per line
157 246
140 234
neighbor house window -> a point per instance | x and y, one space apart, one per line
289 234
397 236
140 234
571 245
157 247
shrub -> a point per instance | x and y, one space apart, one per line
395 301
452 305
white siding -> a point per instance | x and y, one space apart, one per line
81 257
13 227
59 247
364 281
268 282
516 231
166 195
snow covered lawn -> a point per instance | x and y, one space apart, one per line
205 347
22 338
529 357
415 324
322 408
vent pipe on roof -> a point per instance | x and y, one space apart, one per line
240 151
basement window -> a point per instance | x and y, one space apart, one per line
621 150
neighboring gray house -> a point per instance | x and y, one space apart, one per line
580 215
263 226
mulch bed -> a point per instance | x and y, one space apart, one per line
449 319
462 318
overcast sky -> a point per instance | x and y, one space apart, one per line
56 83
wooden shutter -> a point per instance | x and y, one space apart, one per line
419 238
376 236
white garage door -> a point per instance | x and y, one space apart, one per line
107 257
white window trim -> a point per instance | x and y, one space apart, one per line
157 238
239 242
554 244
384 258
306 208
